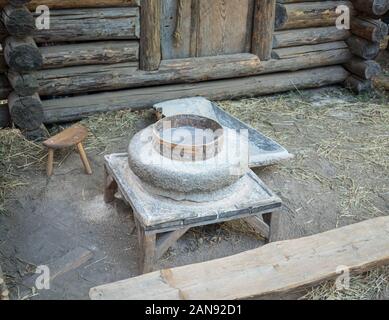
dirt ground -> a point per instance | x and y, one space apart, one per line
339 176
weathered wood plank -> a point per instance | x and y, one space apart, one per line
369 29
18 21
22 54
262 36
94 53
176 23
357 84
291 38
73 80
290 52
365 69
221 27
308 14
167 240
363 48
150 35
91 25
274 269
26 111
372 7
72 4
120 76
78 107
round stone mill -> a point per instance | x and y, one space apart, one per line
187 157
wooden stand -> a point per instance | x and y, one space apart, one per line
156 239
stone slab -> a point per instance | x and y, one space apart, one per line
263 151
157 213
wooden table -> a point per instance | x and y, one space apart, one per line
162 221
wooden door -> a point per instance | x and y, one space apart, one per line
198 28
178 29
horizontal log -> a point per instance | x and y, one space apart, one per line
26 111
381 82
271 271
365 69
121 76
5 87
291 38
369 29
104 52
16 3
372 7
22 55
363 48
24 84
5 119
91 25
358 85
308 14
18 21
291 52
73 4
74 108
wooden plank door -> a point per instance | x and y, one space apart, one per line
198 28
178 29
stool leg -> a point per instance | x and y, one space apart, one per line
147 246
84 158
50 162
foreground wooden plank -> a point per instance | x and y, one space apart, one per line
276 268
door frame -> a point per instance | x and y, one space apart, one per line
150 31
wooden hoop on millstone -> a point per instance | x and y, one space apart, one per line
26 112
18 21
22 55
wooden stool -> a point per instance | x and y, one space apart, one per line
72 136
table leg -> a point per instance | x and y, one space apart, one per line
147 245
273 221
110 187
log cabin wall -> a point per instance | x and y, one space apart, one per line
368 31
104 55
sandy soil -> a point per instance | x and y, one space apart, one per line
339 176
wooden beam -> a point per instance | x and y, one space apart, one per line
363 48
369 29
26 111
150 38
95 53
308 14
99 78
372 7
67 109
365 69
74 4
262 35
167 240
358 85
291 38
272 270
73 80
381 82
92 24
18 21
22 54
